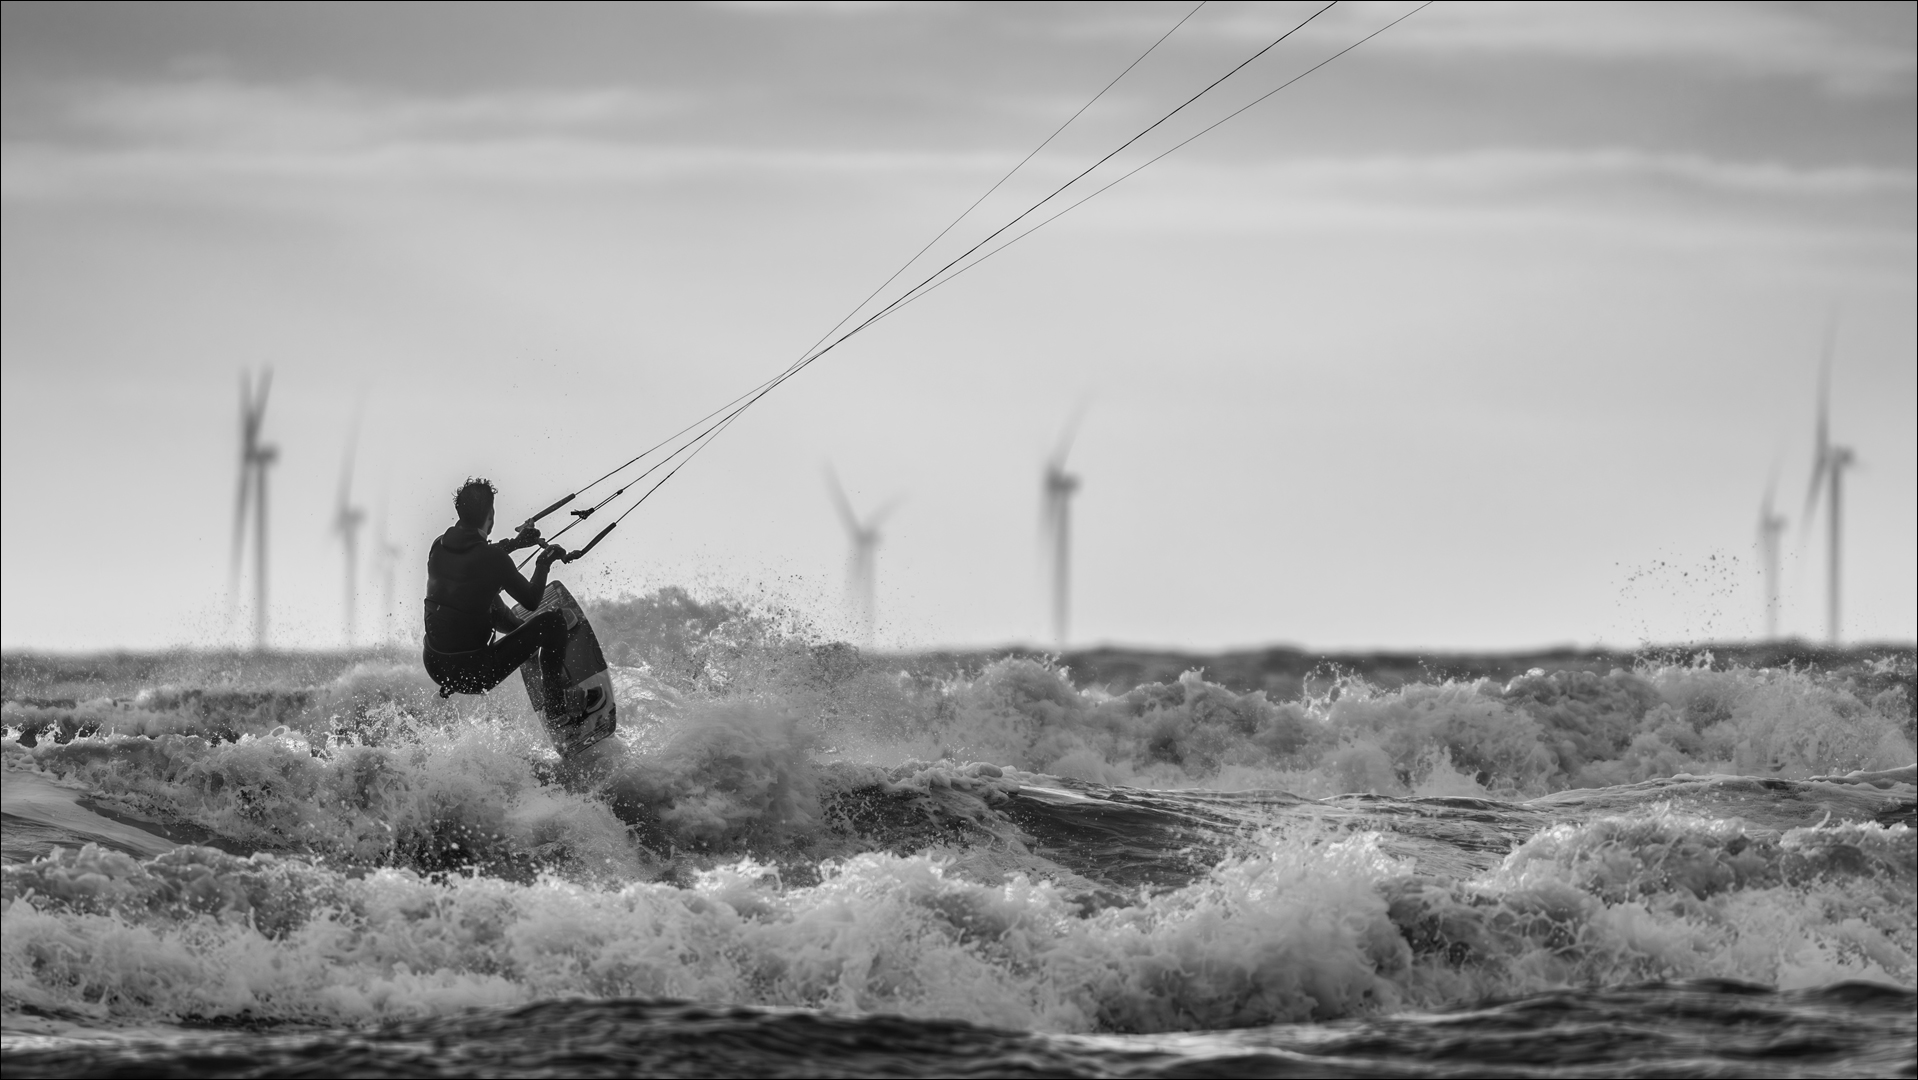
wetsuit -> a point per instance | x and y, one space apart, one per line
464 577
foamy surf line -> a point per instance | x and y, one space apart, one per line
999 859
1301 927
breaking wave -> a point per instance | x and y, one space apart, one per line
784 822
1299 928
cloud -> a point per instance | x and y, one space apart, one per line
217 139
1502 171
192 133
1612 197
1747 39
1743 38
223 114
232 126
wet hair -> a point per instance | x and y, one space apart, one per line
474 500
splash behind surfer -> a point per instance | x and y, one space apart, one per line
464 577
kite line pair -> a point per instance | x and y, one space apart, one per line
687 442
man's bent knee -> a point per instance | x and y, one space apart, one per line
549 627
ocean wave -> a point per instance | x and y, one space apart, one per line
785 822
482 799
742 737
1304 927
1664 895
1536 734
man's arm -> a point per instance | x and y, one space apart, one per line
528 593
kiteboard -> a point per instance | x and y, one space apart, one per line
585 668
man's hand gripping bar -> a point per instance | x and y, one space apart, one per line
561 555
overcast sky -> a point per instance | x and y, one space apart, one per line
1490 333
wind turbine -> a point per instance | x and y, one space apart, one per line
1830 463
255 458
1055 527
862 562
347 520
1771 525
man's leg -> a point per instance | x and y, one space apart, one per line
460 673
481 670
552 654
544 631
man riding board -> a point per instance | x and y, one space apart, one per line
464 577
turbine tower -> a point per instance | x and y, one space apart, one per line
347 520
255 458
1771 525
1055 529
1828 468
862 562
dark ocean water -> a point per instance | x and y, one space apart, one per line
796 861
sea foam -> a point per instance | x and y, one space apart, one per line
1303 927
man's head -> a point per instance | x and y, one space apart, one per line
473 502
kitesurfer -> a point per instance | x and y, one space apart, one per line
464 578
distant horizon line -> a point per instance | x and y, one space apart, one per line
1017 648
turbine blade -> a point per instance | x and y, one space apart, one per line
1821 449
1058 458
841 503
1821 439
249 430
